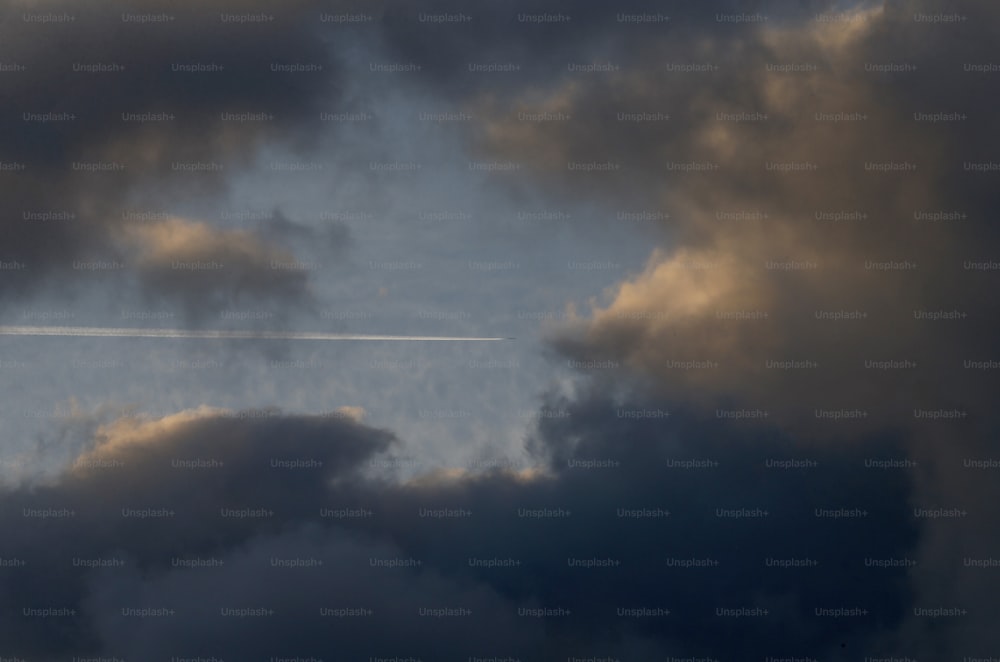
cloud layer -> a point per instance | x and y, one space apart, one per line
173 515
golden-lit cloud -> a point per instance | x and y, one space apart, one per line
792 261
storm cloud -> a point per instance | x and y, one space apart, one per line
671 514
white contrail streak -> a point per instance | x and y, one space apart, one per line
124 332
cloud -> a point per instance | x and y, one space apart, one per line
229 493
817 265
800 194
773 330
822 188
332 238
207 269
134 109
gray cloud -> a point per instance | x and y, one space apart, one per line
196 463
137 107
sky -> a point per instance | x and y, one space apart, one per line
695 323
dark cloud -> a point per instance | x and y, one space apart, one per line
208 271
105 113
449 524
330 240
445 37
194 464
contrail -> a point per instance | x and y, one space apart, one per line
124 332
